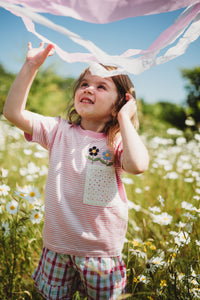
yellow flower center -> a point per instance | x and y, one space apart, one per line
21 194
93 151
12 207
36 216
107 154
1 189
32 194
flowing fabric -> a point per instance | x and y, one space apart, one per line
185 29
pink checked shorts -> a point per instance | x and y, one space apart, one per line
59 276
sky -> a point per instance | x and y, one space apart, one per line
160 83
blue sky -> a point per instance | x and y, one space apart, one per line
160 83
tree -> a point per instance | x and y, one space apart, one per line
193 88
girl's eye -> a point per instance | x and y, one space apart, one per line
84 84
101 87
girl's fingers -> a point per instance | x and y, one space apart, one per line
41 44
29 46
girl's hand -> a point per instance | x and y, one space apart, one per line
37 56
130 108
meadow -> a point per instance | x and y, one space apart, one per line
162 246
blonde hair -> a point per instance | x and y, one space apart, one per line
111 129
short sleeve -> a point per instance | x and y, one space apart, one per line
44 130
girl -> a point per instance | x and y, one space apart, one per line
85 203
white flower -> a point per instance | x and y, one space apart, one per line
40 154
161 200
36 216
181 224
138 190
32 194
23 171
28 151
197 190
5 227
143 279
162 219
132 205
187 205
154 263
189 122
189 179
171 175
32 168
12 207
4 172
127 180
4 189
197 243
182 238
181 141
174 131
155 209
43 170
197 137
138 253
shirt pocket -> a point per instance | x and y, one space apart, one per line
101 186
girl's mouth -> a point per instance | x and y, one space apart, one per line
86 100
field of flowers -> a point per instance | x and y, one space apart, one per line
162 247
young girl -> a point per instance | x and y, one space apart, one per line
85 203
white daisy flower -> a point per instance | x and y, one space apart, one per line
143 279
4 172
182 238
12 207
32 194
36 216
127 180
162 219
5 227
4 189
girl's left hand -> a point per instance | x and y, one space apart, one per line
130 108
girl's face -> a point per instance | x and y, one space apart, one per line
94 101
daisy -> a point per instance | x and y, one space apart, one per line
162 219
143 279
12 207
4 189
182 238
155 209
127 180
5 227
4 172
36 217
32 194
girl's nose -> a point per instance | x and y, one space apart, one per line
89 90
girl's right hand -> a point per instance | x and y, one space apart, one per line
37 56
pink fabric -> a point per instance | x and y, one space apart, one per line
72 225
113 10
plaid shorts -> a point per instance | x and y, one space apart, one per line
59 276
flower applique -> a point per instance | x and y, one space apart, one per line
107 156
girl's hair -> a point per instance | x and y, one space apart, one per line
123 85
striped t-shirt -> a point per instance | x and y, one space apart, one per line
86 209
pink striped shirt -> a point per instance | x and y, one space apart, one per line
86 209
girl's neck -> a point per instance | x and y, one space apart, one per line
96 127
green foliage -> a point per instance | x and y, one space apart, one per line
6 80
166 112
193 88
49 93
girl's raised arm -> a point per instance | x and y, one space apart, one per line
135 155
14 108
